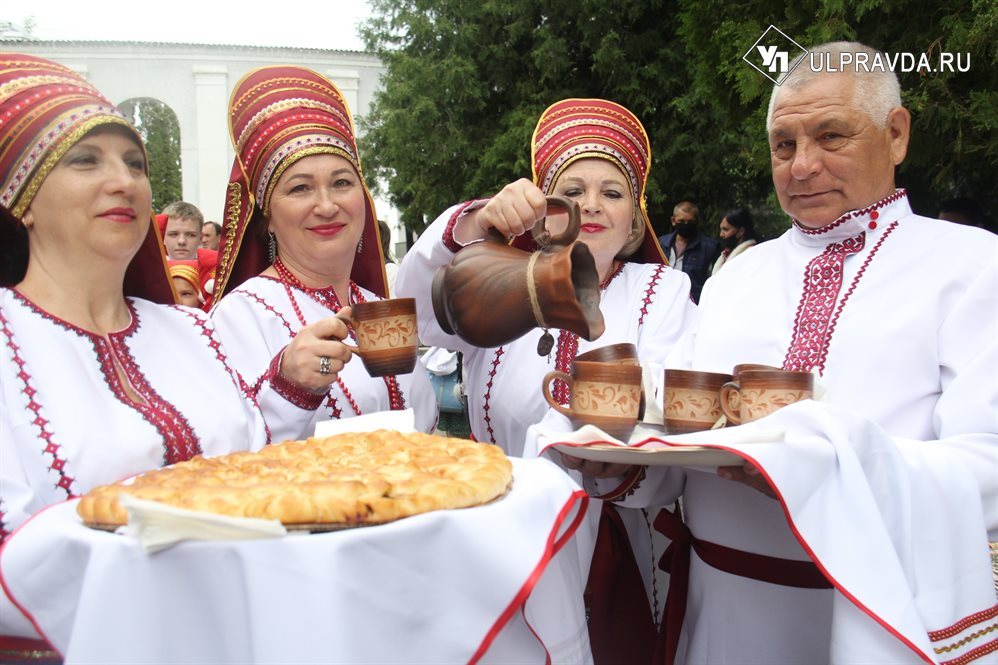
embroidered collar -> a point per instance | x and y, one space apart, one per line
870 220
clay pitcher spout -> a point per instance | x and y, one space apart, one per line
492 293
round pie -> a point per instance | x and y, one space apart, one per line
347 479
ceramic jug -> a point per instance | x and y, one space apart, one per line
492 293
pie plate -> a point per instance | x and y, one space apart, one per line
672 456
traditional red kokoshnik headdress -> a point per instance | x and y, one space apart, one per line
278 115
575 129
45 108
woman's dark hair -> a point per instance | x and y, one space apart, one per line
13 249
741 218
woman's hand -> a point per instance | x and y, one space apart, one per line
511 212
303 358
593 468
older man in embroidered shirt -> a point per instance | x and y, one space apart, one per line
875 547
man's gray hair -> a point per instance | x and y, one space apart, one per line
877 90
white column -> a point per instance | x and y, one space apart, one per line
348 81
207 184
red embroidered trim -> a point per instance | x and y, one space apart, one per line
448 235
822 284
821 351
963 624
289 390
849 292
896 196
974 654
215 344
488 393
179 438
650 292
58 463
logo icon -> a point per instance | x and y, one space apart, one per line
772 53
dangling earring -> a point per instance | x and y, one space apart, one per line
360 245
271 247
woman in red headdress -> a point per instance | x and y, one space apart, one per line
594 152
301 241
98 382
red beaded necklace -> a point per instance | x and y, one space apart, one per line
326 296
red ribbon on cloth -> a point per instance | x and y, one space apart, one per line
556 540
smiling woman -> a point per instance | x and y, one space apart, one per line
301 243
95 386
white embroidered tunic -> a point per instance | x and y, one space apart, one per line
891 480
258 319
67 424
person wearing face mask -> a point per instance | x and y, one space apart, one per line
689 250
737 231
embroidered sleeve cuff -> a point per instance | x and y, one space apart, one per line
466 207
298 395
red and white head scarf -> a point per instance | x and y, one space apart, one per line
45 108
278 115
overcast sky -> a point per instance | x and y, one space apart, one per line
327 24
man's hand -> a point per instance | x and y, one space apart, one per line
747 474
593 468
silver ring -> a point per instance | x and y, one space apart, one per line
324 365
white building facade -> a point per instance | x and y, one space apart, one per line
195 81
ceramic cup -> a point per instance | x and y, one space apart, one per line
604 394
758 393
387 341
750 367
621 354
692 400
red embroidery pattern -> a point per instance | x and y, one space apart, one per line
179 441
849 292
288 389
822 283
963 624
179 438
564 359
871 210
973 654
249 393
819 353
650 292
488 392
58 464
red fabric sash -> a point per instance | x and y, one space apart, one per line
676 560
621 625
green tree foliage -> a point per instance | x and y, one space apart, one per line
467 81
160 130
